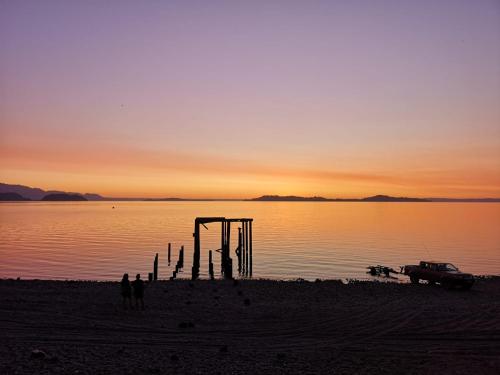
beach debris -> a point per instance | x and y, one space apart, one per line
281 356
153 370
53 359
38 354
186 325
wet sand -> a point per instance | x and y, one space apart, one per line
283 328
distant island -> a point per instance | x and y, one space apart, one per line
64 197
11 193
375 198
12 197
386 198
288 198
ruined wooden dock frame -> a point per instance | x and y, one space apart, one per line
243 251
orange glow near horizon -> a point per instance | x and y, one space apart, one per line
119 172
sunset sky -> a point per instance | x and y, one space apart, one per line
243 98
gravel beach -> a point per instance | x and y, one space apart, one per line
249 327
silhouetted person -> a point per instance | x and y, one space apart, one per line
138 286
126 291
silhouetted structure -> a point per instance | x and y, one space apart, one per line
243 251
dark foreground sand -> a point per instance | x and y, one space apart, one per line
288 327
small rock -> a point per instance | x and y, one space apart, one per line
190 324
223 349
235 282
240 293
191 285
38 354
281 356
247 302
183 325
174 358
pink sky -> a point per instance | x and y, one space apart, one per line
238 99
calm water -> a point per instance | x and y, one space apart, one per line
90 240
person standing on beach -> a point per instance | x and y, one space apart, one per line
138 286
126 291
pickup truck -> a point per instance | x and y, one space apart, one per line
446 274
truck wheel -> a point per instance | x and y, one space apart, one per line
414 279
447 285
466 286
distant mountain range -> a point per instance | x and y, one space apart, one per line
25 193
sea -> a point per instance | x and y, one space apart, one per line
291 240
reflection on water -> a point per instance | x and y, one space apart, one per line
90 240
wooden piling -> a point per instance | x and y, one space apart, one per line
210 265
243 248
250 248
181 257
228 269
150 276
222 245
155 268
195 272
238 250
168 253
246 247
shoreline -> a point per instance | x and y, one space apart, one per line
249 327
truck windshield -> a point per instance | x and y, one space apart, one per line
448 267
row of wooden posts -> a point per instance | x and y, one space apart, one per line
243 252
153 276
244 249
